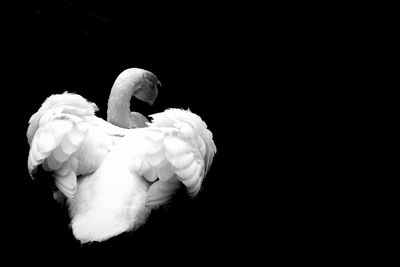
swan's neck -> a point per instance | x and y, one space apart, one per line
119 106
140 83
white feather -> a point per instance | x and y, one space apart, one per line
176 145
53 163
180 161
47 142
165 172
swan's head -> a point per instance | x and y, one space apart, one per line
139 83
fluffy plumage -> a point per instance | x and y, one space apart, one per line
111 176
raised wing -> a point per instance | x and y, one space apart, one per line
65 138
176 148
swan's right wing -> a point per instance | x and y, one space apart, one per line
66 140
176 149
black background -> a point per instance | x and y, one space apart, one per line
279 87
209 59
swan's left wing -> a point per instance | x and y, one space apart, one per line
176 148
68 140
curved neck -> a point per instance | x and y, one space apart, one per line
132 82
119 105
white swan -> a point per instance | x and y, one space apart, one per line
113 173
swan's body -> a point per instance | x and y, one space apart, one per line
112 176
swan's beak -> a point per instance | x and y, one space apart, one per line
146 87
